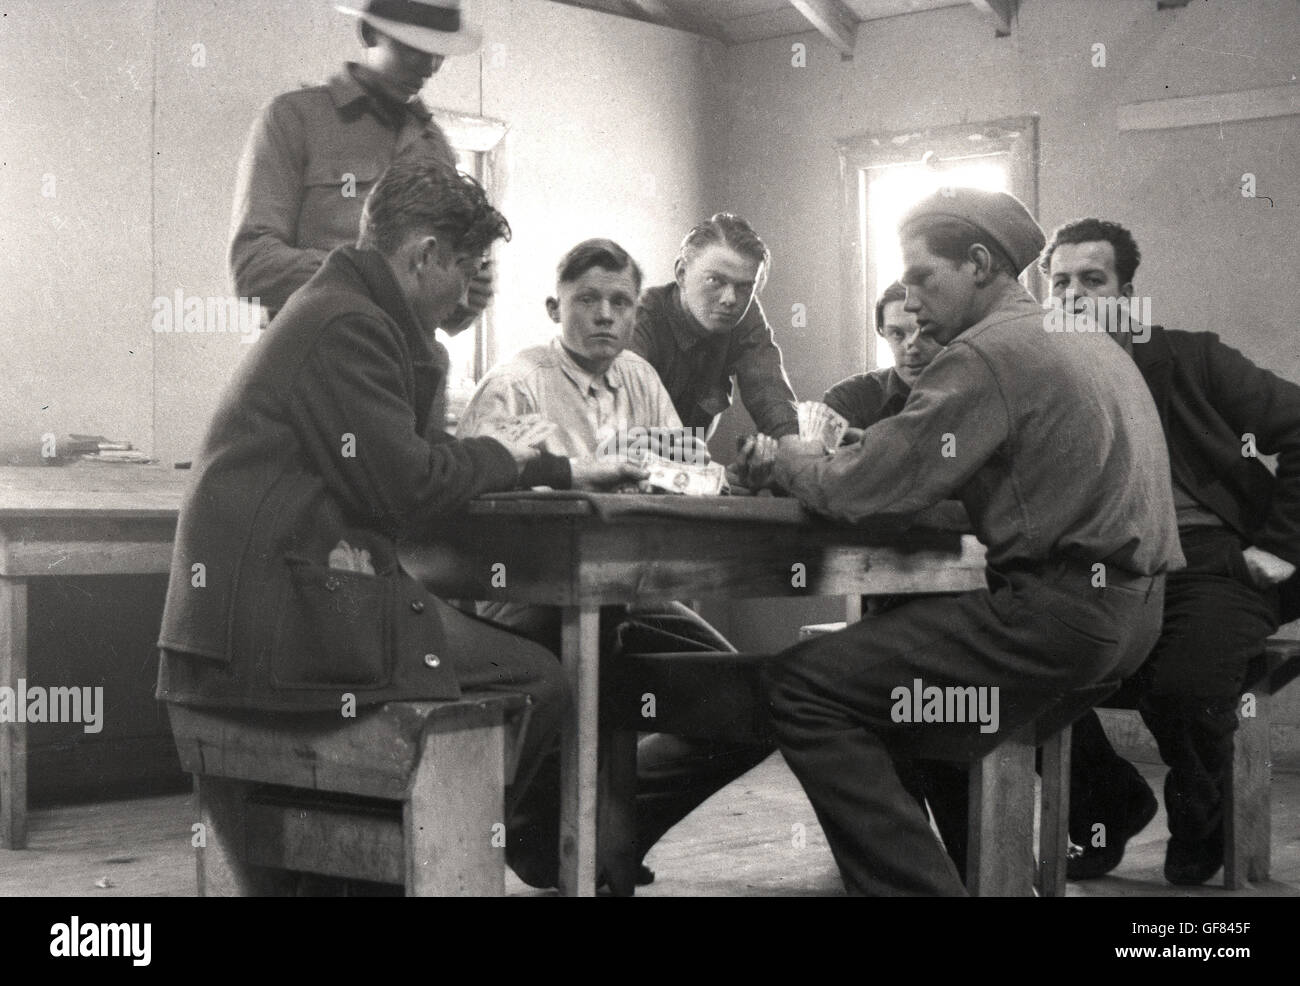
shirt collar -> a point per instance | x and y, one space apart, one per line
352 98
895 389
585 379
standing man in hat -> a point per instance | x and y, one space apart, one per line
1053 445
706 328
315 153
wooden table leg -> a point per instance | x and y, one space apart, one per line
13 735
580 653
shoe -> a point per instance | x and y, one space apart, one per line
1190 862
1092 861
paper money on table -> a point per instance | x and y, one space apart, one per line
683 477
819 423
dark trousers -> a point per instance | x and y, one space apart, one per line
1215 621
675 774
1035 637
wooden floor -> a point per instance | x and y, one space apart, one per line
757 837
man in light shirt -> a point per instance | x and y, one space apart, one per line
595 390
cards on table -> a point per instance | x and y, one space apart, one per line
819 423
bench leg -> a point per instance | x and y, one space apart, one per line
1054 825
1247 824
13 735
1000 856
222 871
616 831
453 822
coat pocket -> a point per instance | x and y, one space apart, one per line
335 631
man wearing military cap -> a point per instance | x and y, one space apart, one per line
1053 445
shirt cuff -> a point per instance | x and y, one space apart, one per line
547 469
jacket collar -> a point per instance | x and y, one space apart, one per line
1154 352
374 278
351 98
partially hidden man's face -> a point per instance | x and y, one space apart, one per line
717 285
596 313
1083 274
912 350
403 69
940 292
443 276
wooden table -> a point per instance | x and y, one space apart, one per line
81 519
582 551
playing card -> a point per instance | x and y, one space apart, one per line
819 423
528 430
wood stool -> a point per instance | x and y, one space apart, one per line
409 793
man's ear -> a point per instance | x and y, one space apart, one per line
424 253
679 272
979 255
1126 289
553 309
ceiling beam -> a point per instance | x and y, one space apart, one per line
676 14
1002 12
833 20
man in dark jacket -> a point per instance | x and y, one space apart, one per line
286 593
707 327
1239 525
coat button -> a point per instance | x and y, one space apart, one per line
417 606
432 660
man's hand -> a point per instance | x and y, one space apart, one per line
520 435
481 289
794 445
605 473
753 466
1267 568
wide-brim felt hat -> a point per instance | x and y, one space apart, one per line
436 28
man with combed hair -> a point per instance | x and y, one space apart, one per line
595 392
1052 444
707 328
286 592
1239 526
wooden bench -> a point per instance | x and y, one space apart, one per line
719 696
409 793
1248 827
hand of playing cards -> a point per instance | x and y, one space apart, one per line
520 435
819 423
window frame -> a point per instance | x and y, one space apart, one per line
1016 137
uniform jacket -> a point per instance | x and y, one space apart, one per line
320 439
311 158
697 366
1209 396
1051 442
